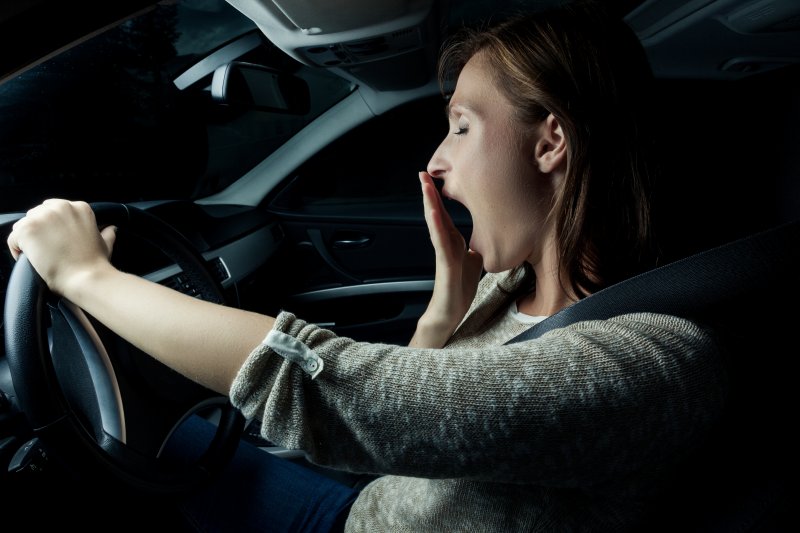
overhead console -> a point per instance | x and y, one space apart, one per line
379 43
383 44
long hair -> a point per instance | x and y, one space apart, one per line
587 68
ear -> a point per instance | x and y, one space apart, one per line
551 147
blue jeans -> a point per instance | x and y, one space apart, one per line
261 492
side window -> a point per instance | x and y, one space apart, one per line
372 168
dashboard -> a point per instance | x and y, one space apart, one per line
234 240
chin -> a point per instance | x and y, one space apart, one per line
493 266
500 264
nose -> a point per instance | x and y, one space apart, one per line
439 164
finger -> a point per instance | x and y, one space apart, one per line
447 223
433 196
33 211
432 209
109 234
448 243
16 237
434 204
428 189
474 264
428 200
13 246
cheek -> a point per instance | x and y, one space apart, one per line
500 176
507 151
515 212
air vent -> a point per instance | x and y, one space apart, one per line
219 269
653 17
367 48
766 16
402 33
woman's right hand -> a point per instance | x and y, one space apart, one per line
458 270
204 341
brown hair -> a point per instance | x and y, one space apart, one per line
587 68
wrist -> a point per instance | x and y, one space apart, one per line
77 284
432 332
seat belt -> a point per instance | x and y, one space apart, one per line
708 285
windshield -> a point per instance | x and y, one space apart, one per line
114 118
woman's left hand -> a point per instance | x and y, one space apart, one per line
458 270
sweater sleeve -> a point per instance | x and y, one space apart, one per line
578 405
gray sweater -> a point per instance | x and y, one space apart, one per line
573 431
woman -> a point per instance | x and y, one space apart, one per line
575 430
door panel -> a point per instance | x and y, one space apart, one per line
366 280
357 257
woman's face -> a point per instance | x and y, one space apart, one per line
487 163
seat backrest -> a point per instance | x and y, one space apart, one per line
740 479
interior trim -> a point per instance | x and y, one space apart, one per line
364 289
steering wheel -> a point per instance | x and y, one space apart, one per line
95 401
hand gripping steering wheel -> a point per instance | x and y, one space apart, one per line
95 401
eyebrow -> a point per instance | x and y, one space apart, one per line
448 109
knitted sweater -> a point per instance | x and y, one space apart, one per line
572 431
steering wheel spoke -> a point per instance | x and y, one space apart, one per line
85 373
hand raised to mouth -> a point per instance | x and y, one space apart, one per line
458 270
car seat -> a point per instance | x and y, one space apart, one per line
739 480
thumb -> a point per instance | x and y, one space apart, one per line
473 266
109 235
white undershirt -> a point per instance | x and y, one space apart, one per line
514 313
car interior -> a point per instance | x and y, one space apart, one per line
281 175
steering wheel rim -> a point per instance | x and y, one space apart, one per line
53 417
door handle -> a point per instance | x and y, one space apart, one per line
319 244
351 239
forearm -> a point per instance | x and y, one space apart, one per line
431 333
458 271
204 341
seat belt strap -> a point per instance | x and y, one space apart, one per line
708 284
